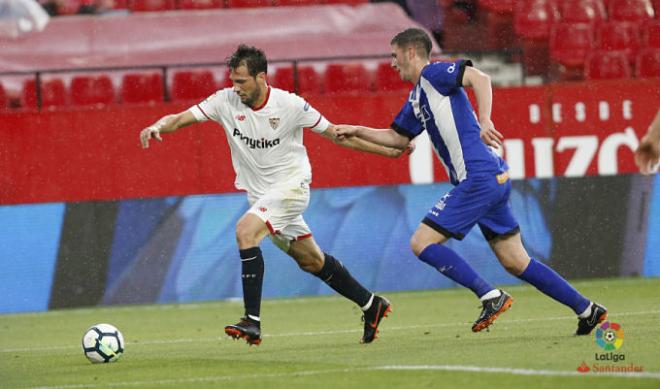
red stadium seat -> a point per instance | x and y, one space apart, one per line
651 34
308 79
631 10
607 65
387 79
570 43
249 3
619 36
201 4
142 88
582 11
283 78
352 77
53 93
532 18
151 5
86 90
648 63
497 6
192 85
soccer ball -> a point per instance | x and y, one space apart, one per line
103 343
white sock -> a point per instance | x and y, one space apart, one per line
368 304
255 318
586 312
491 295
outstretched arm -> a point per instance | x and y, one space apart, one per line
166 124
483 91
386 137
647 155
356 143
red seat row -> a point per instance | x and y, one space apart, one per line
197 84
92 90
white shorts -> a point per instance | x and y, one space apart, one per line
281 208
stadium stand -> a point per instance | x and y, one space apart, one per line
532 23
387 79
152 5
53 93
619 36
347 77
582 11
651 34
308 79
607 65
569 45
635 11
90 90
192 85
648 63
142 88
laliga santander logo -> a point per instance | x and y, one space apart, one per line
609 336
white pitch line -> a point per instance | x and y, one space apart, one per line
448 368
317 333
515 371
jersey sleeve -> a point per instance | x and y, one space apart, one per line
308 117
447 77
210 108
406 123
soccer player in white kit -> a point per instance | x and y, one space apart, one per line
264 128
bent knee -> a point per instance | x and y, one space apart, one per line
245 236
418 245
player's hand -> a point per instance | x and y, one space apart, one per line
489 135
345 131
647 156
410 148
149 133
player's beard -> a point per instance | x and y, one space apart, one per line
251 98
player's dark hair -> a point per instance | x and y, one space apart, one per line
416 38
254 59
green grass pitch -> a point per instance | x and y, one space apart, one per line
314 342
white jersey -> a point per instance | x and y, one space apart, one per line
266 142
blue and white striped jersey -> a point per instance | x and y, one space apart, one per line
439 105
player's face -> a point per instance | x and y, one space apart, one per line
400 62
246 86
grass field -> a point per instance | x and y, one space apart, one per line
314 342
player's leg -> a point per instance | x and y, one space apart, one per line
250 231
500 228
311 259
452 217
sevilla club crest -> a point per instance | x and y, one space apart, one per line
274 122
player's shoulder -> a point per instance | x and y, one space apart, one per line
286 98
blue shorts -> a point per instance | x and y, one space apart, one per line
479 199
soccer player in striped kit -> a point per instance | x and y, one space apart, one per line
439 105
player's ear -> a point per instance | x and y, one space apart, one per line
261 77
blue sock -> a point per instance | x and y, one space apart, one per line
549 282
447 262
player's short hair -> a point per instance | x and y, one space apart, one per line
416 38
254 59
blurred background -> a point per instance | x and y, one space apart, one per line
89 218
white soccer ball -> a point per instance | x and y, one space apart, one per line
103 343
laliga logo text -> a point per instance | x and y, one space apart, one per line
609 337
